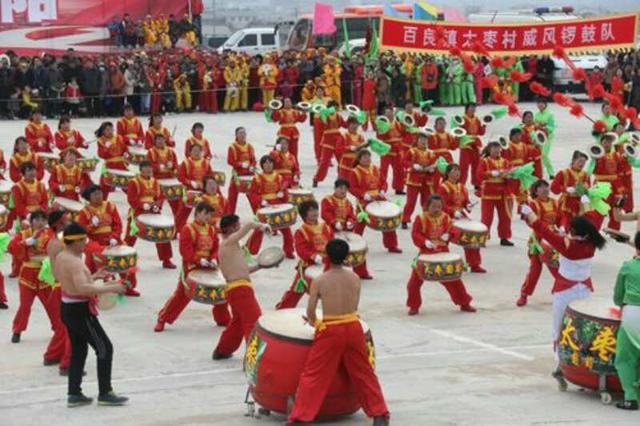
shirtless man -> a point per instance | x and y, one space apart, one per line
245 309
339 340
79 314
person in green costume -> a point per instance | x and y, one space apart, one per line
416 83
544 119
444 86
627 295
456 71
468 88
515 87
609 119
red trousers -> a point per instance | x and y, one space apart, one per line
395 162
533 275
180 299
469 160
290 298
155 101
59 348
245 312
503 206
389 239
627 182
613 224
412 197
255 241
326 154
472 255
27 296
232 199
3 294
317 137
456 289
182 216
339 344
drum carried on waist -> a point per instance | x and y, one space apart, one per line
137 154
278 216
298 196
275 357
383 215
87 165
4 214
49 160
357 248
243 183
439 266
219 177
118 258
209 286
67 205
193 197
157 228
587 346
119 178
171 188
470 234
5 192
312 272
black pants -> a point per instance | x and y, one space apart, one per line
84 329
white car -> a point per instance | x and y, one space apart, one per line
563 76
253 41
356 45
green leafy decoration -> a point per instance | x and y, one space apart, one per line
383 126
378 146
441 165
498 113
597 194
46 272
525 175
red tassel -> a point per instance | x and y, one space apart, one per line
455 51
499 98
519 77
509 62
599 127
577 110
513 110
580 74
539 89
561 99
558 52
479 49
615 103
497 62
631 113
469 66
596 91
489 81
617 85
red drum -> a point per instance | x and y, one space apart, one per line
587 347
5 192
219 177
192 198
157 228
276 353
244 183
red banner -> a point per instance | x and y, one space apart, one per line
34 26
581 36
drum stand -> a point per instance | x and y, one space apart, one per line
605 395
251 407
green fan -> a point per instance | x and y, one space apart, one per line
597 194
441 165
379 147
382 125
525 175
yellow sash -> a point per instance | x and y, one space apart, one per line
327 320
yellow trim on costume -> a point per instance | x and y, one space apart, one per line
327 320
242 282
74 237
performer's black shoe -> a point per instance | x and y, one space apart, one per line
627 405
381 421
78 400
315 184
401 193
218 356
506 243
557 374
405 225
112 400
15 338
64 372
4 305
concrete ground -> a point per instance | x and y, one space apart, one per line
440 367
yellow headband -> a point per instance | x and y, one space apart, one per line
74 237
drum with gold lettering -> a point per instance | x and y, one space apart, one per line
383 215
208 286
87 165
276 355
298 196
439 266
243 183
49 160
157 228
171 188
357 248
119 178
118 259
137 154
5 192
192 198
219 177
68 205
278 216
469 234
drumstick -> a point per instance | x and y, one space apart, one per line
173 133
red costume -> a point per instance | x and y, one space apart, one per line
564 183
130 130
626 179
349 142
610 168
470 153
420 182
427 227
29 197
114 152
18 159
286 164
394 137
242 159
495 195
197 241
202 142
518 154
534 148
190 174
68 182
442 144
69 139
287 119
149 137
39 136
369 101
165 166
329 144
310 240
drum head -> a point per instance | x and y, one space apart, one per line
313 271
106 302
5 186
209 278
49 156
245 178
470 225
68 204
115 172
299 191
440 257
136 150
270 257
596 308
3 210
276 208
156 220
383 209
356 242
121 250
169 182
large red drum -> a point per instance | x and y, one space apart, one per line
587 346
275 357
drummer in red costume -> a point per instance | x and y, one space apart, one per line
442 142
430 233
38 134
565 184
113 150
367 186
339 343
286 164
145 197
493 173
351 142
21 154
67 179
611 168
29 194
29 248
529 127
627 170
67 137
329 143
456 204
104 226
213 196
156 128
199 250
422 176
245 309
190 173
268 188
287 117
242 159
394 138
129 127
470 153
165 166
409 139
338 212
197 138
546 208
310 240
517 154
573 281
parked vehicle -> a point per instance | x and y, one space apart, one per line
253 41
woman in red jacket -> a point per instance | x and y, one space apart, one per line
369 104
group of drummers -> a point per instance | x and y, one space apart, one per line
144 165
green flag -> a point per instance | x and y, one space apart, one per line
373 43
347 44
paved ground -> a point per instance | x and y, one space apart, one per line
441 367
